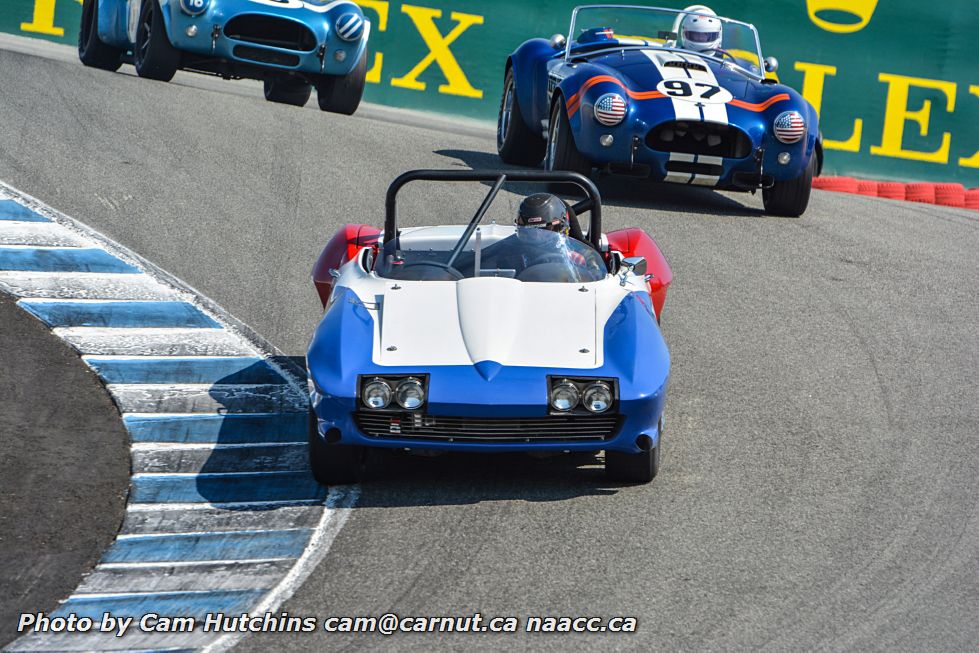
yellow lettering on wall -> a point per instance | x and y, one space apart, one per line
379 7
972 161
813 80
439 52
897 113
43 21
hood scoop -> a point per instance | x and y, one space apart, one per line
686 65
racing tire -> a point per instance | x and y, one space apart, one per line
516 143
93 51
154 55
561 152
286 90
333 464
342 94
790 198
635 467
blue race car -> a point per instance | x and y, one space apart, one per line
490 337
292 45
675 96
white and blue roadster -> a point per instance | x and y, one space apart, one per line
477 338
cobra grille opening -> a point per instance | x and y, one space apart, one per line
706 138
553 428
271 31
266 56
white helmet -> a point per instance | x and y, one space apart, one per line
701 32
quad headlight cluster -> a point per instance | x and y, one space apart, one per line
594 395
380 393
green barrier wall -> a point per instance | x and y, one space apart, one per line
896 81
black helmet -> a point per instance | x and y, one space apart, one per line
544 211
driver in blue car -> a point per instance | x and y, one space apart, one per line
701 32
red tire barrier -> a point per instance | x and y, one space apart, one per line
892 190
921 192
836 184
950 195
972 199
868 188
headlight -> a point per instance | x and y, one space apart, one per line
789 127
564 396
597 397
194 7
376 394
410 394
610 109
350 26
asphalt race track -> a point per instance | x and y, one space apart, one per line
820 479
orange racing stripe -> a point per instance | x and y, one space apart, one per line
759 107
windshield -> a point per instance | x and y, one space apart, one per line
598 27
525 254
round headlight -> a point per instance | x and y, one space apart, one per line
350 26
377 394
610 109
410 394
564 396
789 127
597 397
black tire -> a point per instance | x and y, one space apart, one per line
635 468
343 94
154 55
92 50
790 198
333 464
561 152
287 90
516 143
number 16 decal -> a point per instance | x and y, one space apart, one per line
690 90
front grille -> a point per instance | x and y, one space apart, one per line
553 428
271 31
705 138
266 56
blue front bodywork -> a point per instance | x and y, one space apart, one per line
542 75
211 44
635 355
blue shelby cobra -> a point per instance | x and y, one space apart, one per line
292 45
640 91
485 337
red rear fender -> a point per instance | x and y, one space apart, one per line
636 242
343 247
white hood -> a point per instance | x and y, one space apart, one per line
513 323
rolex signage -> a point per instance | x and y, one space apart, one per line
895 81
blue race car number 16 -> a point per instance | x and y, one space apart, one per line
690 90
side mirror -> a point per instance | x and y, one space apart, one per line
635 264
771 64
558 41
335 273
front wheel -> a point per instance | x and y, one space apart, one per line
562 153
342 94
288 91
333 464
516 143
154 55
92 50
790 198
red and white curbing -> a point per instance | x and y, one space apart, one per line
954 195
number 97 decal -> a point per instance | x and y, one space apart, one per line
690 90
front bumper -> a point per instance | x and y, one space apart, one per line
337 416
211 43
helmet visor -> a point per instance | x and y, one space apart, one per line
701 37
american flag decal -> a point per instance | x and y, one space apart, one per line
790 127
610 109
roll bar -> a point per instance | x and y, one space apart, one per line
592 204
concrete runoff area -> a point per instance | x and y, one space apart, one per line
820 473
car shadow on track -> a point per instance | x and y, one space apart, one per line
625 191
391 477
